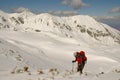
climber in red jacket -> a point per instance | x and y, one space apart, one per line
81 59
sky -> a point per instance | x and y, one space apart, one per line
106 11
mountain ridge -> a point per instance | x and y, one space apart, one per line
66 26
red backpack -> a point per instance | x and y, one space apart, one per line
80 56
83 55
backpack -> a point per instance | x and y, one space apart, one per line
80 55
84 58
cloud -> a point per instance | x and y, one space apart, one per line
20 9
64 13
115 10
108 18
75 4
113 21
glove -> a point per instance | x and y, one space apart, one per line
73 61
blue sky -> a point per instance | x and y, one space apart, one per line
95 7
101 9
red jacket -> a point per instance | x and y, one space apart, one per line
79 60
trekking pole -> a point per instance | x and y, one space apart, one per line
72 67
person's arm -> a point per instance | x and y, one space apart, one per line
74 60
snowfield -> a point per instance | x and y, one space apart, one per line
45 51
41 47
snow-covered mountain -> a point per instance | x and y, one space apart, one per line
46 43
73 26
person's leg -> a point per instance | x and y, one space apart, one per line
80 66
83 63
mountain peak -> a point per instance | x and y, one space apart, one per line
68 26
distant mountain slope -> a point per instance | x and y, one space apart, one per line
80 26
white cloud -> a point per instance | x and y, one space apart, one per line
76 4
20 9
113 21
64 13
115 10
107 17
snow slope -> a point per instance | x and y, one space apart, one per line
46 43
46 50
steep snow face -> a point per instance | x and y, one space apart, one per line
79 27
47 51
49 47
